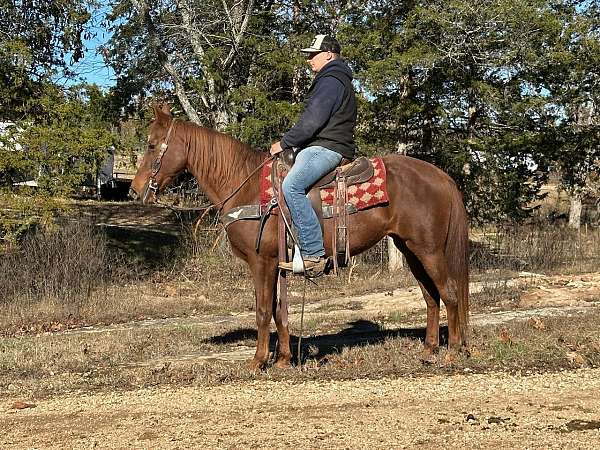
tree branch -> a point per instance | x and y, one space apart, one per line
158 44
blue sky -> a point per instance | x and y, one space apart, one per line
91 68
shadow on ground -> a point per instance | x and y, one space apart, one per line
148 248
359 334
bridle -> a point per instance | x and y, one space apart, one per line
152 184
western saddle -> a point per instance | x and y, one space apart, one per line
348 173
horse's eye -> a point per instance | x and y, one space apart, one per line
151 146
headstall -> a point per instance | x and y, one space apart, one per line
152 184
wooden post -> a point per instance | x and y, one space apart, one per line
395 261
575 210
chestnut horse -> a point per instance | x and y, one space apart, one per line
425 216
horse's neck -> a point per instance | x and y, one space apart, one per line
221 164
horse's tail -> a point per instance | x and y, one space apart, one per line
457 257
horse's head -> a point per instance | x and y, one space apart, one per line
163 160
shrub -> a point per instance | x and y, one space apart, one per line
62 264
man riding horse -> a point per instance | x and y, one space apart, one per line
325 135
423 210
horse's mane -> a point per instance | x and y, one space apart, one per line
224 156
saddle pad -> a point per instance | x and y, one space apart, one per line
363 195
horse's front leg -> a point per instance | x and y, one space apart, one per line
284 355
264 274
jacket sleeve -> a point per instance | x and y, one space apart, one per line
326 99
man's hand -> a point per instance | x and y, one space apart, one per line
276 148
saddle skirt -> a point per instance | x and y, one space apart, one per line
360 195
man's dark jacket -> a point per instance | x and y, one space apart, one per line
329 113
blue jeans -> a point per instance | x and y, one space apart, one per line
312 163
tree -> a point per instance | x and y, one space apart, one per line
451 81
231 65
571 74
36 39
67 140
475 89
194 47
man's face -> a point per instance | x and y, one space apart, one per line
318 60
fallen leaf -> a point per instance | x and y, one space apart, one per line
23 405
504 337
575 358
537 323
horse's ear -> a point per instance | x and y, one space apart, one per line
162 112
166 108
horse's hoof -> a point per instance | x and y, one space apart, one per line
255 364
428 357
283 363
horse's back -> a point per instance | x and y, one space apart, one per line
415 169
414 180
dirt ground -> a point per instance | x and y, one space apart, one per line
558 410
552 410
469 410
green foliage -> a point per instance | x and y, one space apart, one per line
22 214
571 74
469 88
36 39
65 140
56 136
496 93
59 144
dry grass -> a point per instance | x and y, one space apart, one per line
497 291
71 276
65 263
536 247
129 359
75 275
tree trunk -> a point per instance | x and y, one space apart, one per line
395 261
575 211
157 42
401 148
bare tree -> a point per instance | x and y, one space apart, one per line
197 44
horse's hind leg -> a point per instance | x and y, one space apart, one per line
432 333
436 267
432 299
431 271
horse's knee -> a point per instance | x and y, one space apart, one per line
263 317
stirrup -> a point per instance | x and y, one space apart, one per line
309 264
311 268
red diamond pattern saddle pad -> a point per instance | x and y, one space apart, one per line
364 195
